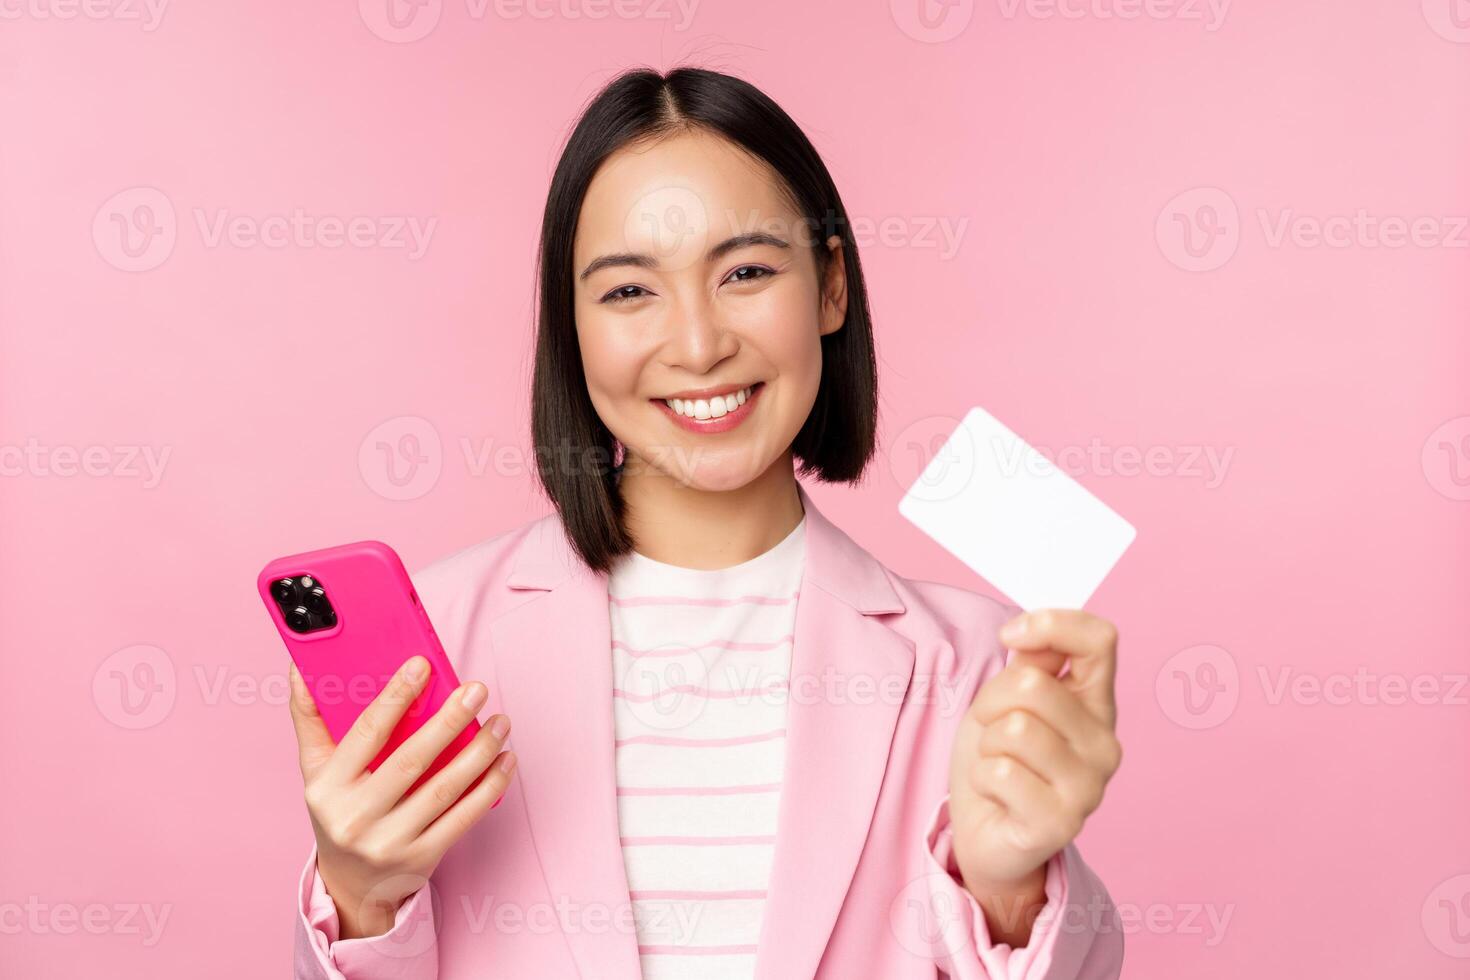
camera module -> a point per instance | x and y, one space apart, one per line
304 604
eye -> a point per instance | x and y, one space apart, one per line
749 273
622 295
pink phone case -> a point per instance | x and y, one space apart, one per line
380 624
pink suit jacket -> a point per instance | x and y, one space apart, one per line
862 885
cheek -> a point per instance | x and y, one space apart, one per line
611 358
784 327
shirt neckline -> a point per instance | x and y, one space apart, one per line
777 556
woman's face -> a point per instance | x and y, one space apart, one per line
699 311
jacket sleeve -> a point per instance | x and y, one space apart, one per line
408 951
1076 936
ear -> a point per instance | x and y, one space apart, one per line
834 288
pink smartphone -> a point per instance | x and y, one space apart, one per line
350 618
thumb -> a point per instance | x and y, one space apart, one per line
1048 660
1084 643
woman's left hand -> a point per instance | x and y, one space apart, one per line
1034 752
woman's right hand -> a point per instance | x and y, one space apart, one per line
375 846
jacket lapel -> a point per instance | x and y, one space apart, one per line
849 674
554 669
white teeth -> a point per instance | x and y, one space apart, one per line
711 408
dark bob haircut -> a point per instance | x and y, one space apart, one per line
577 459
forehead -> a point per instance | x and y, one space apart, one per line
669 196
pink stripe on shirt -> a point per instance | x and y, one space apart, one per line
704 849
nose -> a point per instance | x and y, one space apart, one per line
695 339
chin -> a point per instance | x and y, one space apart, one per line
709 471
720 480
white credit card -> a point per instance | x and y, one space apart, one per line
1010 514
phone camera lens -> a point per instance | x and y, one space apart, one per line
316 600
298 619
328 619
284 590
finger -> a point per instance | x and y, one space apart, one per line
1089 642
370 732
313 741
417 753
1020 735
439 793
1031 742
1029 688
458 819
1029 801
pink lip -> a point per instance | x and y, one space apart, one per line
724 423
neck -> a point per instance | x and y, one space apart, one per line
707 529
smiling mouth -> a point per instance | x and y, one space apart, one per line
713 413
713 407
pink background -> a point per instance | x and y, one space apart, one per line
1330 830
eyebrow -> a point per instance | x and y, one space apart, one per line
645 261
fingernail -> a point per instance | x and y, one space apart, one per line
500 726
473 696
508 762
416 669
1015 629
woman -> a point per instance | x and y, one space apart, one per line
743 747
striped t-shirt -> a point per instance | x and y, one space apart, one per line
701 668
